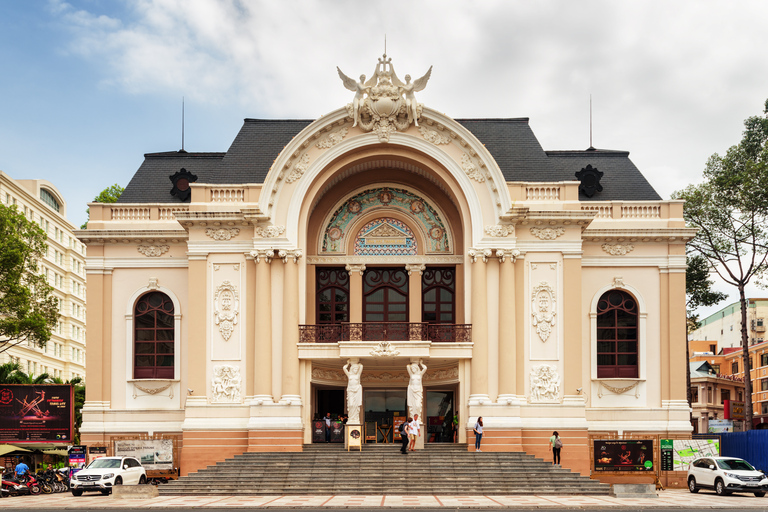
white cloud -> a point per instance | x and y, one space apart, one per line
671 81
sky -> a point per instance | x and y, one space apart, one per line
88 86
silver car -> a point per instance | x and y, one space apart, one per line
105 472
726 475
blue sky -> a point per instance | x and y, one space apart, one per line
89 86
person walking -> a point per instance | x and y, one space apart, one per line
414 432
404 437
328 427
555 445
478 433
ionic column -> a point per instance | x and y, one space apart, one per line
291 381
507 325
355 292
262 375
414 291
478 393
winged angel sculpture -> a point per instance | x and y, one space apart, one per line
384 103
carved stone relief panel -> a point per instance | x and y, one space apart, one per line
225 326
545 384
226 385
544 310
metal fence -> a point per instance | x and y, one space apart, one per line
751 446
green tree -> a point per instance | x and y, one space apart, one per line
730 209
108 195
28 309
698 293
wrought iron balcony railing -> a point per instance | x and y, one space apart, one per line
385 331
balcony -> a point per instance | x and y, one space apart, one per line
385 331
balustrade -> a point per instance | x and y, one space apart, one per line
385 331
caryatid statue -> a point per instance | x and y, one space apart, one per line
354 370
415 388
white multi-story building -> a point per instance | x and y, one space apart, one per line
724 327
64 266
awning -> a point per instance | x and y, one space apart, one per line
61 452
5 449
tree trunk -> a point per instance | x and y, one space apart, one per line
745 361
688 374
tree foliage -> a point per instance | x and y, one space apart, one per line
698 293
108 195
730 208
28 309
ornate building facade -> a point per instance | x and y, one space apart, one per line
381 260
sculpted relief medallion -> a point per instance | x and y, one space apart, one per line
226 307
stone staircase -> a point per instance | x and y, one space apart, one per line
328 469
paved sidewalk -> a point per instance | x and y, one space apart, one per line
667 499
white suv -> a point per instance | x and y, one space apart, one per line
105 472
726 475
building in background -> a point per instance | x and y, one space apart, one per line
723 328
64 267
709 392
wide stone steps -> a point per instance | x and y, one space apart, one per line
381 469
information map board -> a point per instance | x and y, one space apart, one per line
36 413
676 454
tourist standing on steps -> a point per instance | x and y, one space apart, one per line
328 428
478 433
415 432
404 435
555 444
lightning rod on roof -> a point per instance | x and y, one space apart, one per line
182 123
591 147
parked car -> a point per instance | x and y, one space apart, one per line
105 472
726 475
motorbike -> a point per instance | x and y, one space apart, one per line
62 477
48 482
14 487
30 480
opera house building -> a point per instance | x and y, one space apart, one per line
382 261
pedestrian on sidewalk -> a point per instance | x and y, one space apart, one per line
414 432
403 429
555 445
478 433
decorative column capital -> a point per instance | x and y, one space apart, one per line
482 253
294 254
418 267
502 254
265 254
359 268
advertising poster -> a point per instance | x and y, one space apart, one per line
36 413
624 455
152 453
354 437
76 456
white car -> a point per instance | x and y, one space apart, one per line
726 475
105 472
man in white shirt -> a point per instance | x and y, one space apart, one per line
328 428
414 432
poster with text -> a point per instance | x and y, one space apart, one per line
624 455
152 453
36 413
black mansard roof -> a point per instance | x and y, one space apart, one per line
511 142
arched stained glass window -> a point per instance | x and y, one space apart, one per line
153 339
617 325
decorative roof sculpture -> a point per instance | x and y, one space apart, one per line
384 104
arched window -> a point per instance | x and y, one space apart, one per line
49 199
617 325
153 327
